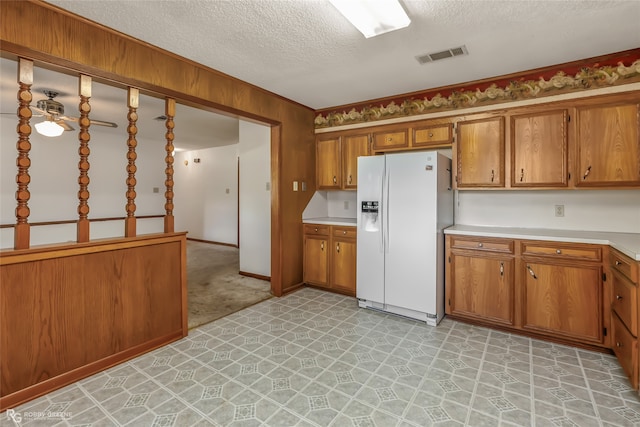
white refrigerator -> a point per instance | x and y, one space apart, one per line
404 203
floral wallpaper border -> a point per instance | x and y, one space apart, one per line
586 78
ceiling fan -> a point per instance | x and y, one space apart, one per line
55 120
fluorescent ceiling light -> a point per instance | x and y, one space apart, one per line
373 17
49 128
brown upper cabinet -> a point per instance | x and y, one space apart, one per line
539 149
480 153
384 140
433 135
608 145
329 163
337 161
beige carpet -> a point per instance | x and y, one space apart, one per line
215 289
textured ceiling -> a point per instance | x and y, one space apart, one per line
305 50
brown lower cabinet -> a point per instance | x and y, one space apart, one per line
330 257
546 289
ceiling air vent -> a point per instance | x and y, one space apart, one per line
436 56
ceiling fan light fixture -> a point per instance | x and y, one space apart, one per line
373 17
49 128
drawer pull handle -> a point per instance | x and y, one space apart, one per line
618 344
558 251
531 272
322 246
502 269
335 180
479 245
492 175
618 297
350 179
338 247
521 174
587 172
618 262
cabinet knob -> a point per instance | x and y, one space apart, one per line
430 134
618 297
618 344
480 245
558 251
389 139
618 262
316 229
344 232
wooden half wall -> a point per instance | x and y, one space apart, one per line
71 311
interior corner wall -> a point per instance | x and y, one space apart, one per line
206 194
255 198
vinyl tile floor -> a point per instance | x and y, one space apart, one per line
313 358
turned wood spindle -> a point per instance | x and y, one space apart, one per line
21 236
83 164
170 111
132 129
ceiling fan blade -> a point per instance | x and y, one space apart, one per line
103 123
40 111
64 124
93 122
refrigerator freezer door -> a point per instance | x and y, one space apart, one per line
410 263
370 247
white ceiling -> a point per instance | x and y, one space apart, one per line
306 51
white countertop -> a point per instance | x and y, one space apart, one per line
627 243
331 221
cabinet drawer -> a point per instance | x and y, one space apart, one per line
625 346
433 135
624 265
482 244
316 229
625 302
562 251
396 139
345 232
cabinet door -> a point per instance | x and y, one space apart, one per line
482 288
433 136
480 153
315 255
391 139
562 300
343 266
539 150
352 148
328 166
608 146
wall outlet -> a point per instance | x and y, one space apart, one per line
295 185
304 186
559 209
156 189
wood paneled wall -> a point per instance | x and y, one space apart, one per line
74 310
82 46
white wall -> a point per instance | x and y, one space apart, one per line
255 198
206 194
54 183
592 210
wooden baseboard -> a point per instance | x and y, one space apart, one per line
255 276
26 394
212 242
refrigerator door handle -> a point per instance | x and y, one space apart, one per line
386 208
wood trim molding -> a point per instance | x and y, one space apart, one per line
594 73
73 221
255 276
212 242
